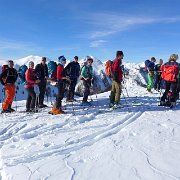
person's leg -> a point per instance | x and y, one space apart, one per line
10 93
72 88
28 101
118 92
113 91
167 85
86 90
150 82
174 91
156 82
42 90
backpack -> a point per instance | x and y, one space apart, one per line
4 67
21 73
149 65
108 68
82 65
52 70
169 72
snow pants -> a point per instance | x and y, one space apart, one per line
42 90
150 81
87 85
61 89
115 92
10 93
72 85
31 99
157 83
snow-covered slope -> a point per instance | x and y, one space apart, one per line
135 142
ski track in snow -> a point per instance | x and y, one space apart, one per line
74 145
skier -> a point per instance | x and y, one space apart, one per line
73 71
157 83
87 78
8 78
150 70
61 83
30 77
41 71
170 72
117 79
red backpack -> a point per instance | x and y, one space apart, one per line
4 67
169 72
108 68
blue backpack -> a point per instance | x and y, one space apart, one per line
52 70
149 64
21 73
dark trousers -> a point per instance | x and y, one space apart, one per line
31 99
42 90
170 86
72 85
61 88
157 83
87 85
178 87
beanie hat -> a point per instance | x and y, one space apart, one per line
119 53
31 63
174 57
61 59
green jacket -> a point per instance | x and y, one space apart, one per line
86 72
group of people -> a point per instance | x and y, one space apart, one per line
39 76
169 73
70 74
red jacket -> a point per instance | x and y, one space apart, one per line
30 78
60 72
117 69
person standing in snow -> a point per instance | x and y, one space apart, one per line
8 78
61 83
87 77
117 74
157 83
41 71
170 71
150 69
30 77
73 71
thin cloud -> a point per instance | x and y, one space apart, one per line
108 24
97 43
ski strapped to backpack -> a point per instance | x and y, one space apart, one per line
21 73
169 72
52 70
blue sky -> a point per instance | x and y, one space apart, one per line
141 29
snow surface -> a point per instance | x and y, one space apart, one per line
131 143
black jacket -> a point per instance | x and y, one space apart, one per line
73 70
41 71
9 76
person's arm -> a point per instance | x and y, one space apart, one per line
2 76
115 70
